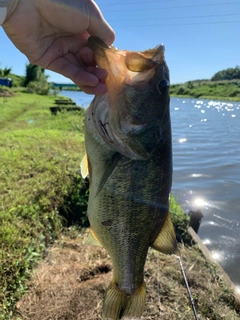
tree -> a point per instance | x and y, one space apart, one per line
34 73
227 74
5 72
36 80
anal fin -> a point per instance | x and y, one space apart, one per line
166 240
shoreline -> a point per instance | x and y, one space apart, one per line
219 98
222 274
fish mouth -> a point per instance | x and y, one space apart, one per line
94 43
126 64
129 68
99 48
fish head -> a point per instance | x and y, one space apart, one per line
137 89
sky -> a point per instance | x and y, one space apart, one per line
200 37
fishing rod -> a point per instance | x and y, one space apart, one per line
187 286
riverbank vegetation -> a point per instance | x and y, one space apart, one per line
44 198
206 89
224 84
227 74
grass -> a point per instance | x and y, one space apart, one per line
71 283
227 90
40 186
180 222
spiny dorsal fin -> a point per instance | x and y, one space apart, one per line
166 240
84 166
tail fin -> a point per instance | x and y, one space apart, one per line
118 304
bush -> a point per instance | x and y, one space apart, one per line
39 87
235 93
181 90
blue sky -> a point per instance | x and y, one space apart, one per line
200 37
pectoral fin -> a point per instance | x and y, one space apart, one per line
166 240
84 166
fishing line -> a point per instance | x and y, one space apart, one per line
187 286
158 287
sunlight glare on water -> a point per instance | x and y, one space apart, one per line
182 140
237 289
199 202
217 255
206 241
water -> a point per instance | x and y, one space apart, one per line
80 98
206 155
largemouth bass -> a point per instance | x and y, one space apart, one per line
129 162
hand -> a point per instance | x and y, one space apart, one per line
54 33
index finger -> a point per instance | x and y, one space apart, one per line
98 26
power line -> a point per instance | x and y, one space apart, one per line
113 4
176 24
131 2
189 17
175 7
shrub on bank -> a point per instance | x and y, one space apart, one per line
41 87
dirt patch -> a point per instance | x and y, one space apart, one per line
6 93
71 282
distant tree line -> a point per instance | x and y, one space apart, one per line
227 74
5 72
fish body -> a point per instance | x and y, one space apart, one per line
129 162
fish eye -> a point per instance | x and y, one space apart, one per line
162 86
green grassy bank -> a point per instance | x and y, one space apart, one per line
40 187
41 191
218 90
